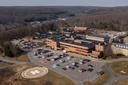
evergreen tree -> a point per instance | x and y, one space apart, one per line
7 51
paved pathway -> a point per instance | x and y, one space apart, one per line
113 77
114 60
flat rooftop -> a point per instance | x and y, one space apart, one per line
87 44
100 36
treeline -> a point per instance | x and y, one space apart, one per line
95 17
115 19
24 30
10 50
14 20
6 35
33 13
23 14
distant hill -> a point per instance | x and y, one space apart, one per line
13 20
110 18
40 13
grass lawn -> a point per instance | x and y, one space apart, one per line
114 57
11 76
3 64
56 79
1 53
22 57
99 81
120 67
121 82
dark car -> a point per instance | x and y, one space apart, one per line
87 60
72 67
46 51
90 69
76 65
64 68
90 65
82 70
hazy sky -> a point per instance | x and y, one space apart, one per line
64 2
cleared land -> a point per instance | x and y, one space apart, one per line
121 82
99 81
12 76
120 67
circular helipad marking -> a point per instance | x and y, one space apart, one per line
35 72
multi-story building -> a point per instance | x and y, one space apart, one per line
98 38
118 48
85 47
51 43
80 48
99 47
79 29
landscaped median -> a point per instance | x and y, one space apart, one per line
99 81
120 67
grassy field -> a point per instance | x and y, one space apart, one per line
120 67
11 76
99 81
22 57
121 82
1 53
3 64
57 79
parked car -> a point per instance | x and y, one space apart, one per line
87 60
64 68
90 69
90 65
82 70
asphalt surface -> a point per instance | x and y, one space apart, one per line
77 77
78 80
113 77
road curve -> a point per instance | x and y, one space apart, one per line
113 77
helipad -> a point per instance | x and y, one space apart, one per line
35 72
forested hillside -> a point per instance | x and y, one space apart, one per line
108 18
39 13
15 21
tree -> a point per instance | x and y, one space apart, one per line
7 50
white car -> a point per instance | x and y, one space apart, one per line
67 66
55 65
55 56
52 59
73 64
68 58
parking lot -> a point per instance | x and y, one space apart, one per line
77 68
26 44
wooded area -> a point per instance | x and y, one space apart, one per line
15 21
